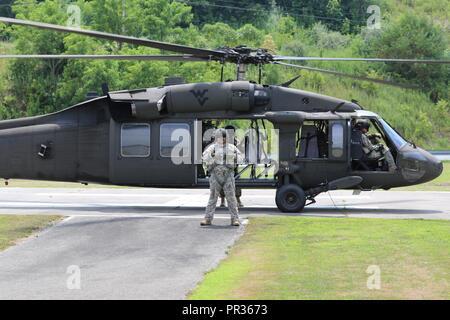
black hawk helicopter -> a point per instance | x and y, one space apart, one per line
124 137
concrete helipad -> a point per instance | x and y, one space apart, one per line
147 243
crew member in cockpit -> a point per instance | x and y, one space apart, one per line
374 151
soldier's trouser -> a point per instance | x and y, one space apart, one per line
237 192
222 178
390 159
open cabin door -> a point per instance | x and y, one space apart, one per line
321 150
255 139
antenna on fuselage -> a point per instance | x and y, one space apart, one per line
340 105
287 84
105 89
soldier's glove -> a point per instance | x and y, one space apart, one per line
379 147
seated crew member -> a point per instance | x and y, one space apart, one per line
374 151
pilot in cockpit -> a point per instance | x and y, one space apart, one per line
372 149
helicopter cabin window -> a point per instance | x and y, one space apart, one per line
175 135
337 140
135 140
312 140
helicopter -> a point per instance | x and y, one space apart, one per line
126 137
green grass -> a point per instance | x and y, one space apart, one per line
327 258
14 228
442 183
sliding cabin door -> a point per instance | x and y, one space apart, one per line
154 153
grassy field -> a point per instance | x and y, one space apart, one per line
327 258
14 228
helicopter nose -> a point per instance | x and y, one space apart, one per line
420 166
438 167
434 168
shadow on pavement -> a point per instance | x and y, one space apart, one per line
190 210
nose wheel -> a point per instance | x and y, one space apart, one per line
290 198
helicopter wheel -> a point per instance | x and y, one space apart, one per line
290 198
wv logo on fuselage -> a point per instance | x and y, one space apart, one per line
200 95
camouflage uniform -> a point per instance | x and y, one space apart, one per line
376 151
238 191
221 160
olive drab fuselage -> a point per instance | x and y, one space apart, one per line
83 143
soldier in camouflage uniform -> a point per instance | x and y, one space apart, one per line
220 159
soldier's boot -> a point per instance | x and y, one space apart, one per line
235 222
240 204
222 202
206 222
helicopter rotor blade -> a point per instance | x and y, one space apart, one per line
425 61
181 58
341 74
118 38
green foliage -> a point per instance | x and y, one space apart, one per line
294 48
220 34
325 39
34 82
414 37
40 86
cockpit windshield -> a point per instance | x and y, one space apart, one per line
395 137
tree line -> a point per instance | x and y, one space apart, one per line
291 27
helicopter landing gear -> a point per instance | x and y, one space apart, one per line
290 198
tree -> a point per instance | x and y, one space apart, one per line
250 36
233 12
33 83
334 13
42 86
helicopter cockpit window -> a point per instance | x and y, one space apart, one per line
396 138
135 140
374 144
312 140
171 135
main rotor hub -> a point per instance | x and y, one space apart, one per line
246 55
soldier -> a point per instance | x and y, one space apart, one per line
377 150
221 158
238 191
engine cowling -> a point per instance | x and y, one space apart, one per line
154 103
